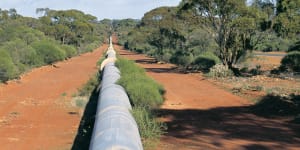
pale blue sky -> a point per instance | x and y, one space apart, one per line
111 9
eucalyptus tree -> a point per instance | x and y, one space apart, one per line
287 18
232 22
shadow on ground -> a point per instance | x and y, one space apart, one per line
85 129
265 126
215 126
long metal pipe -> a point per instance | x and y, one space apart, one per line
115 127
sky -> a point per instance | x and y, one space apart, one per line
110 9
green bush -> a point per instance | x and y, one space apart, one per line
291 62
150 129
275 105
7 67
48 51
295 47
270 42
142 90
220 70
22 55
205 61
89 47
182 59
69 50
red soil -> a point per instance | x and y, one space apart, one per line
36 111
201 115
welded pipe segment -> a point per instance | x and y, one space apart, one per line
107 60
115 129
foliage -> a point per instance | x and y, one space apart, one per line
287 18
142 90
69 27
169 36
182 59
89 47
270 42
150 129
291 62
232 22
205 61
275 105
69 50
295 46
7 68
122 28
219 71
227 28
48 52
21 53
54 36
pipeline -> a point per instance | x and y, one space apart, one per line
115 127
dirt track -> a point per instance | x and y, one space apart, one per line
200 115
36 111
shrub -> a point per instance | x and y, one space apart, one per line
256 71
275 105
205 61
270 42
219 70
291 62
48 51
22 55
142 90
32 57
150 129
182 59
89 47
7 68
69 50
295 47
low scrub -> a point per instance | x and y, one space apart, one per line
219 71
48 51
205 61
291 62
149 127
69 50
89 47
7 67
142 90
276 105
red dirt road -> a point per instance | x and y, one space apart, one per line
36 111
201 116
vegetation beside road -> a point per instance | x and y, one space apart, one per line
26 42
190 35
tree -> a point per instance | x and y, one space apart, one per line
287 18
232 22
267 7
7 68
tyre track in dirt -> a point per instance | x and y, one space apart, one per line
200 115
36 111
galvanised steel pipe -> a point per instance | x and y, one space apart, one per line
115 128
